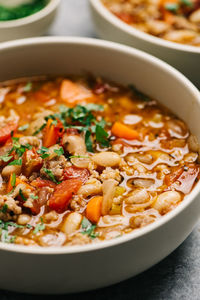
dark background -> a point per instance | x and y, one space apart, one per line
177 276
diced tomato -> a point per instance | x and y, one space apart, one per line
173 176
39 183
31 162
63 193
5 131
74 172
187 179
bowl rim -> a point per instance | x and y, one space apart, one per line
124 50
45 11
116 22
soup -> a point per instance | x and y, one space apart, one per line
173 20
85 160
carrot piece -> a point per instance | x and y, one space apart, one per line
18 181
73 93
122 131
50 136
168 16
93 210
18 135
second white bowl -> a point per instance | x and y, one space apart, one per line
185 58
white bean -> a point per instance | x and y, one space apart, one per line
23 219
72 223
137 196
166 201
10 170
75 144
144 183
91 188
31 140
106 159
80 162
108 195
195 16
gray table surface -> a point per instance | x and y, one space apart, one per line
177 276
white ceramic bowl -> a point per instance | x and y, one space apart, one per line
185 58
33 25
79 268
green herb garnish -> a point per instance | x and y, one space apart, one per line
51 176
28 87
43 152
5 157
88 228
40 129
101 136
23 127
34 197
22 195
4 208
88 141
13 180
59 152
187 3
39 227
173 7
16 162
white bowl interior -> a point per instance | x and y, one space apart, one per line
94 265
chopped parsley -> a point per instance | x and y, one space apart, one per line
18 148
6 157
173 7
4 234
101 136
39 227
78 156
43 152
13 180
40 129
28 87
59 152
187 3
51 176
34 197
22 195
88 141
88 228
16 162
6 237
4 208
81 118
23 127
